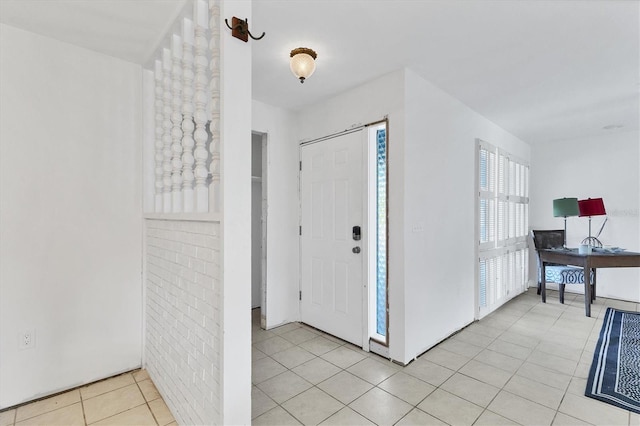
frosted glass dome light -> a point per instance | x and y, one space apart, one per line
303 62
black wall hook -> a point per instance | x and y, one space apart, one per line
240 29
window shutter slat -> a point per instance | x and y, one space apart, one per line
503 220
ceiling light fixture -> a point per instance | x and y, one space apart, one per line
303 62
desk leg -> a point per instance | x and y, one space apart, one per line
543 282
587 290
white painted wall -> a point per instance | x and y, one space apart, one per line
602 166
148 141
439 192
282 214
361 105
70 191
235 153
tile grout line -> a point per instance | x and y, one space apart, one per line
112 390
374 386
341 369
501 389
136 382
539 340
145 400
83 399
84 415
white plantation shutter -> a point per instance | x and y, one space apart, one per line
482 283
503 222
487 201
500 279
502 166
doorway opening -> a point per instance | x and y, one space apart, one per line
259 226
344 234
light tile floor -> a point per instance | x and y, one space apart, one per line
127 399
527 363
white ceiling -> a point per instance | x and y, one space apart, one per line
544 70
126 29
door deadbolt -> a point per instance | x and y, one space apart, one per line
356 250
356 233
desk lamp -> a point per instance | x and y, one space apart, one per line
565 207
591 207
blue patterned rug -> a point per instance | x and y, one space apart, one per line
615 372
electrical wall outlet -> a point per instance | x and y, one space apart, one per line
27 339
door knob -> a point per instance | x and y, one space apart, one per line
356 250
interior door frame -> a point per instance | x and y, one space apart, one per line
378 346
263 221
368 227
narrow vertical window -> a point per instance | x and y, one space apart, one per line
377 221
381 234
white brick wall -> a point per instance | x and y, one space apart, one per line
183 304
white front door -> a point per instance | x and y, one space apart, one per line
332 282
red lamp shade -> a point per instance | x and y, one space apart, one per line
591 207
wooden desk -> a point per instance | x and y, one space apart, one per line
588 262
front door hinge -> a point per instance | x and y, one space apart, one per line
300 295
301 166
300 230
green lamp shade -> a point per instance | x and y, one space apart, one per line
565 207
